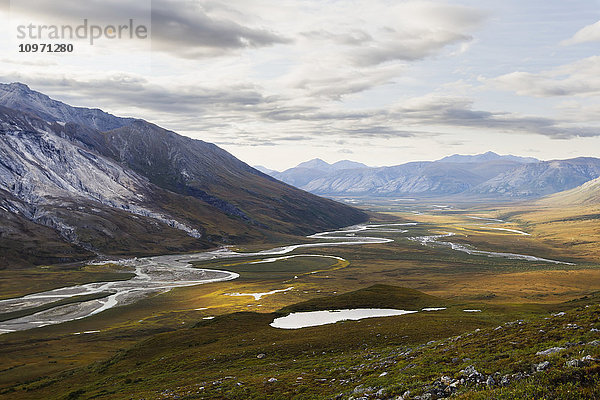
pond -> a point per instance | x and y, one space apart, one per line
316 318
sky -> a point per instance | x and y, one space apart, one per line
278 82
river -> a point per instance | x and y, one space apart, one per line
163 273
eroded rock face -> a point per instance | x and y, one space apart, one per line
43 170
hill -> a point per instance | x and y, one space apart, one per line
586 194
500 353
542 178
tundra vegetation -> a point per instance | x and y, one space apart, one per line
536 335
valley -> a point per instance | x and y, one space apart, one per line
139 263
318 274
300 200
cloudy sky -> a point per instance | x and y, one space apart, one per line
277 82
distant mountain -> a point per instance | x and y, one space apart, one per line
265 170
586 194
306 172
320 165
487 175
135 189
423 178
316 164
485 157
540 179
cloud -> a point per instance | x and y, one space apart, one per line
589 33
183 29
35 63
414 30
458 112
128 91
225 112
407 46
354 37
191 32
371 43
580 78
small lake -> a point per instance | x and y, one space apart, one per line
316 318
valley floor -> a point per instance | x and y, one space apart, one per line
206 341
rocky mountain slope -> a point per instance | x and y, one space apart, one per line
586 194
19 97
135 189
486 175
542 178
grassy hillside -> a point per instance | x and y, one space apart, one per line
206 172
239 356
567 220
587 194
167 347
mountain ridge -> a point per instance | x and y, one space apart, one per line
584 195
486 175
487 156
20 97
138 188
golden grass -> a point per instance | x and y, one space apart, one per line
558 233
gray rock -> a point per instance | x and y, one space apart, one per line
468 371
471 375
575 363
361 389
549 351
541 366
446 380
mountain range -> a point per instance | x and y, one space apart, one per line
78 182
483 176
